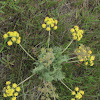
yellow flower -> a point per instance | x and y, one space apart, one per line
48 22
8 83
80 47
4 88
16 94
10 34
76 89
73 93
86 63
14 85
76 28
78 39
43 25
9 42
18 41
91 64
55 27
13 98
92 58
81 31
48 29
12 90
81 60
18 89
78 96
13 39
15 33
46 19
51 19
82 92
74 37
4 95
5 36
8 87
73 34
56 22
72 30
52 25
89 52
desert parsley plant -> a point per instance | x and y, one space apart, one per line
49 63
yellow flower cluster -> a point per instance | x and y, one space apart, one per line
14 37
11 91
77 93
46 56
50 22
77 33
85 54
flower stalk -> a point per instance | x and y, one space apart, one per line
26 52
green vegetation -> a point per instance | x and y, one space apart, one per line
32 65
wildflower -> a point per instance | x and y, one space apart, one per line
82 92
4 95
46 19
9 42
55 27
8 87
18 89
86 63
76 89
48 29
73 93
72 30
16 94
11 91
13 98
18 41
14 37
52 25
43 25
56 22
5 36
8 83
49 22
78 93
14 85
89 52
92 58
91 64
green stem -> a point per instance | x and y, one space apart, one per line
3 45
67 46
72 58
26 52
49 39
25 80
65 85
73 61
